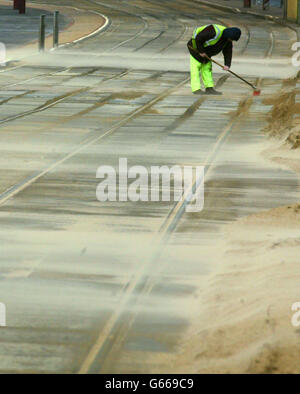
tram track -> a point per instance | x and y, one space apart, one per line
112 337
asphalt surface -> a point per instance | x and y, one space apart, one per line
274 8
109 287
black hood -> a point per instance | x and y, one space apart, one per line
233 33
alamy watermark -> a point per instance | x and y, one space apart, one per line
2 54
296 316
158 183
296 55
2 315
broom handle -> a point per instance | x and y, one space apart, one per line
233 73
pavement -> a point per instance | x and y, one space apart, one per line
18 30
97 287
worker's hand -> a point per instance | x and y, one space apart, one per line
203 54
226 68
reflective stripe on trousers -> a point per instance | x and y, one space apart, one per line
205 70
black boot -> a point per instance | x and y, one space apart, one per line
199 91
212 91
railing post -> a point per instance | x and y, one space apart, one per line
55 29
247 3
16 4
285 10
42 33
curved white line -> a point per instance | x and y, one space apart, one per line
107 20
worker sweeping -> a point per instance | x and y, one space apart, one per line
208 41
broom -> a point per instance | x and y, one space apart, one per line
256 91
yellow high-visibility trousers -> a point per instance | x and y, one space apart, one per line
205 70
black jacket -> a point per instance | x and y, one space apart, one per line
223 45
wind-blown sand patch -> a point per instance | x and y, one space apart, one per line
245 316
284 119
244 320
